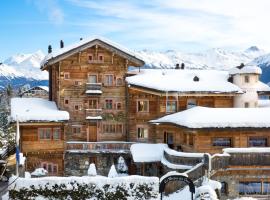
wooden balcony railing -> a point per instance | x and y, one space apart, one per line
93 86
93 112
98 147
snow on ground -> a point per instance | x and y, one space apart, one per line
147 152
172 80
203 117
36 109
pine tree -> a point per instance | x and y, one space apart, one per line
92 170
112 172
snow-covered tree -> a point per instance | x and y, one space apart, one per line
112 172
205 192
121 166
92 171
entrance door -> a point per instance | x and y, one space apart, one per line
168 139
92 132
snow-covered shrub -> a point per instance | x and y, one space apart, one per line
112 172
78 188
27 175
121 166
205 192
39 172
92 170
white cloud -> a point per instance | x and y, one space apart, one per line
51 8
209 23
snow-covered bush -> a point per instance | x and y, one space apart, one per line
92 170
121 166
205 192
78 188
39 172
112 172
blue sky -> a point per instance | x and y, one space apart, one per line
186 25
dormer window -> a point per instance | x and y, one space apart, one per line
246 79
196 78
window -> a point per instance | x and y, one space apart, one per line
118 106
171 106
44 133
222 142
108 104
112 128
90 57
142 106
66 101
168 139
77 83
224 188
108 80
100 57
246 79
76 130
246 104
119 82
191 103
93 104
249 188
190 140
142 133
66 75
78 107
266 188
257 142
50 167
56 133
92 78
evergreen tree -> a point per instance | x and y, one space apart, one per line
121 166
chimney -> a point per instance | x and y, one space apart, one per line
81 38
50 49
183 66
177 66
61 44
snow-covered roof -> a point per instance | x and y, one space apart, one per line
93 92
203 117
36 109
44 87
83 44
94 117
247 150
261 87
176 80
247 69
147 152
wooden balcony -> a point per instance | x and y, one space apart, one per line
93 89
98 147
93 114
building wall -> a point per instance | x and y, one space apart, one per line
250 96
73 90
40 152
157 107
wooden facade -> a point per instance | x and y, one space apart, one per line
158 105
43 146
90 85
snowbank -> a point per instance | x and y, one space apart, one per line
97 187
203 117
39 172
36 109
172 80
147 152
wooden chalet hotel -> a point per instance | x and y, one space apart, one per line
99 110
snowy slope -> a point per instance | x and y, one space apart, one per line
210 59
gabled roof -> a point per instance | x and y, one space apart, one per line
184 81
83 44
204 117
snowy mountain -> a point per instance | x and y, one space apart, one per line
211 59
23 69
